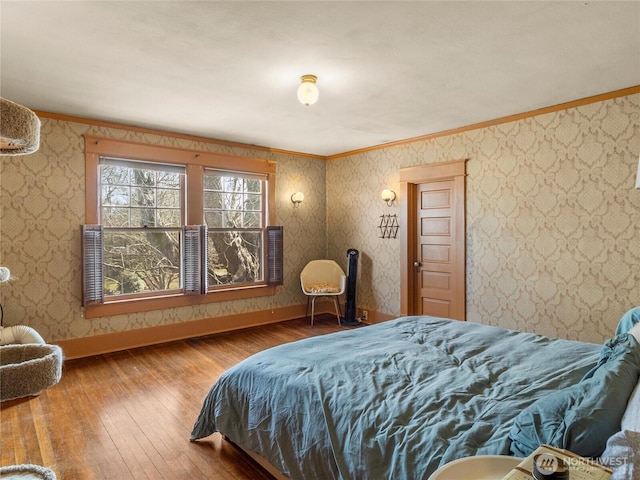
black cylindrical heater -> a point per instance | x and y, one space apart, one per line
350 319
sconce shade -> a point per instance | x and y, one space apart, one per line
388 196
638 175
297 198
5 274
19 129
308 90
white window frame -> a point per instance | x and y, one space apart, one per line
178 228
224 209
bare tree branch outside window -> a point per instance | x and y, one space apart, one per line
142 214
233 214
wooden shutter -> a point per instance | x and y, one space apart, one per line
195 259
92 265
275 270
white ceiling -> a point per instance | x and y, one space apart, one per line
387 70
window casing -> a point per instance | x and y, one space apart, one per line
152 204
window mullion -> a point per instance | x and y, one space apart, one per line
194 195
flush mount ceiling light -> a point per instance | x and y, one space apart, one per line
308 90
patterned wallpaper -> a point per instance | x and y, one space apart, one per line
553 224
553 219
42 208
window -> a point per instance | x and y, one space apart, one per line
141 212
170 227
233 214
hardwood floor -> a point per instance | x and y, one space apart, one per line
128 415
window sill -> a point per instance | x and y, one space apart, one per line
174 301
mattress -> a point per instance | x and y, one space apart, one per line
391 400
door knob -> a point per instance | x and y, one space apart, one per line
417 264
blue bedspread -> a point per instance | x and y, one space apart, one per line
389 401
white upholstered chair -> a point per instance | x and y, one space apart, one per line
323 278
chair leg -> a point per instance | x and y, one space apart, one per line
306 311
338 312
313 309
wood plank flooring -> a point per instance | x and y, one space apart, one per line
128 415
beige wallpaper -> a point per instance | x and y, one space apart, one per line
553 224
42 208
553 219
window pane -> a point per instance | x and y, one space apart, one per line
252 202
239 197
112 195
137 262
169 217
143 177
149 190
212 182
233 184
254 186
213 219
115 217
232 201
232 219
143 217
212 200
168 198
252 220
141 197
115 175
234 257
168 180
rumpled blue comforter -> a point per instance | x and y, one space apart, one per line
389 401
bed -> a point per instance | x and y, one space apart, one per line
401 398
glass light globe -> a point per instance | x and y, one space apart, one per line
297 198
388 195
5 274
308 90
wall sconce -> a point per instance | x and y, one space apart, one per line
308 90
388 196
5 274
20 129
297 198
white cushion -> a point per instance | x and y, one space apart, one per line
631 417
622 455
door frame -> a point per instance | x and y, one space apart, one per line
410 178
